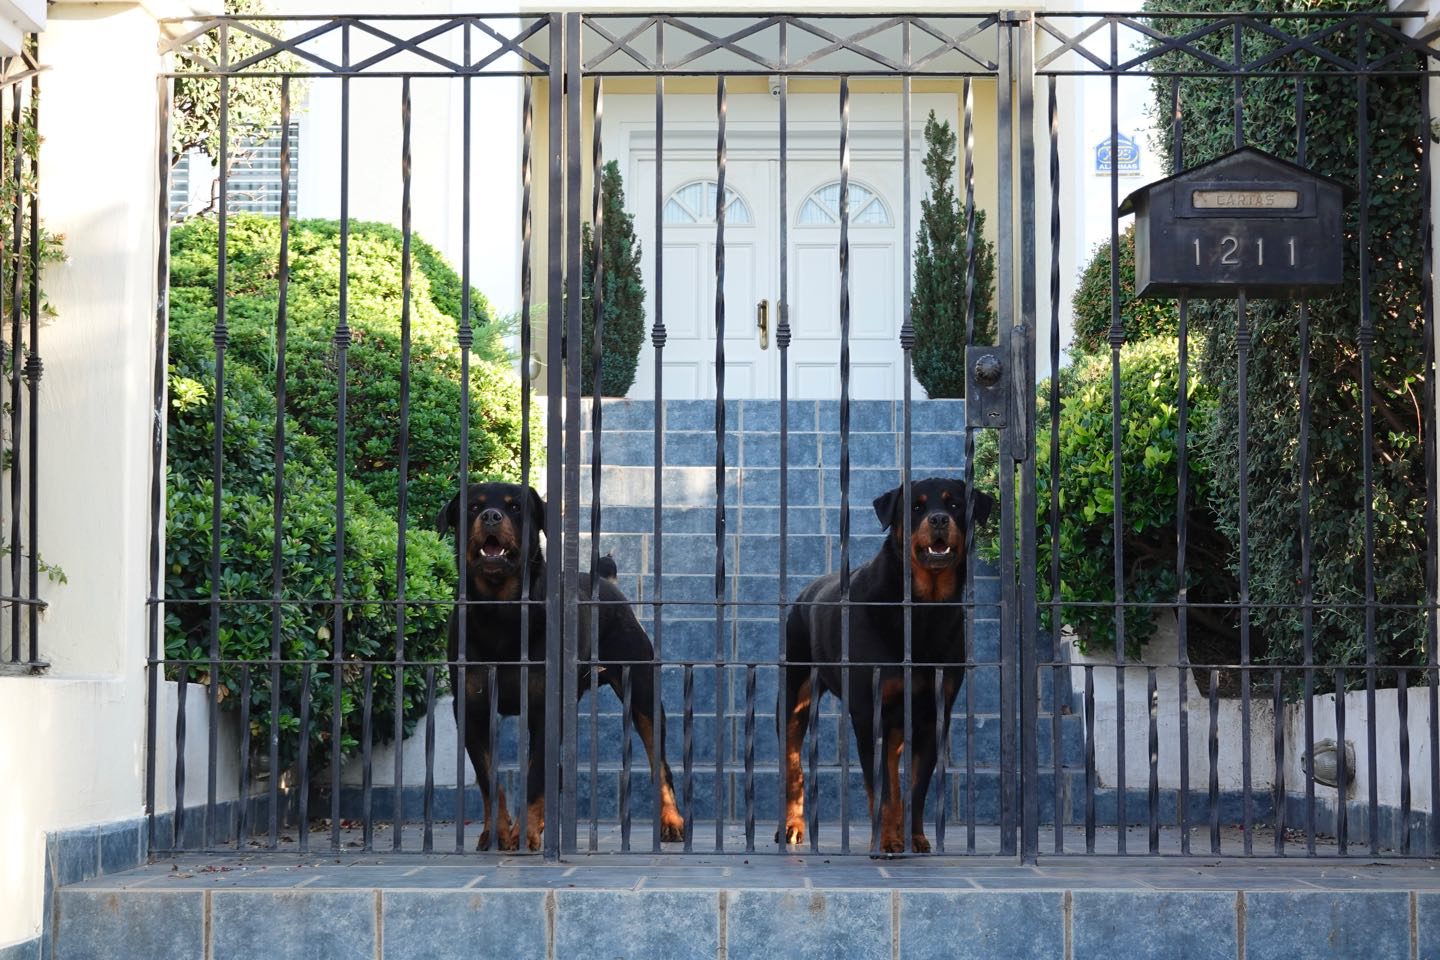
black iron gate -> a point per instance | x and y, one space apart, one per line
1042 700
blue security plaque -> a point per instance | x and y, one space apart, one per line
1247 220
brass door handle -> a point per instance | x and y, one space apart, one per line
762 323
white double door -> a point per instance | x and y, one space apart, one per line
752 260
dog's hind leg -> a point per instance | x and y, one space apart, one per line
795 722
642 695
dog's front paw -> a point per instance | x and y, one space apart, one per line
672 827
919 843
794 833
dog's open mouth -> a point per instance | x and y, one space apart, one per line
937 553
492 549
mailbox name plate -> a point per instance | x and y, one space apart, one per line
1245 198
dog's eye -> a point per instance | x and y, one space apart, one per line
474 508
514 507
917 508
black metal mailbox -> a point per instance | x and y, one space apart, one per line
1247 220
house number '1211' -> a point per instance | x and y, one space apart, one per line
1230 251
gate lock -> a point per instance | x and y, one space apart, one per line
987 386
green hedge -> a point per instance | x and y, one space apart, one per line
372 533
1090 306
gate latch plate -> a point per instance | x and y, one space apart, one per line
987 386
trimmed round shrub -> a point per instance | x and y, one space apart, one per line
304 617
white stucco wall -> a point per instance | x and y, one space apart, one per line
1164 650
75 739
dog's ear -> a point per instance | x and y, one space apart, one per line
886 504
981 505
537 511
449 516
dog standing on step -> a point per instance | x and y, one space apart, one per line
934 535
496 564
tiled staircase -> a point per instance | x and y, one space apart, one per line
749 623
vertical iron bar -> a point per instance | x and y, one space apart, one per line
782 343
1366 340
1023 425
845 462
721 700
555 662
1054 407
877 758
1214 748
1117 340
302 763
968 594
749 758
812 781
1342 768
942 758
491 679
461 611
277 564
158 408
181 688
522 723
367 739
17 348
907 453
242 803
1011 450
427 844
1089 759
403 507
568 674
1242 344
625 753
1307 586
1277 705
1152 701
221 337
1402 709
342 345
1182 511
657 339
33 366
688 748
597 348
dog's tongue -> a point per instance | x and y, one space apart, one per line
491 548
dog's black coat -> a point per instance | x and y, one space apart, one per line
936 536
497 563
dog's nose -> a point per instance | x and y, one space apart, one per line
939 521
491 517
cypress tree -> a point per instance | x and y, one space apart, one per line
938 301
623 293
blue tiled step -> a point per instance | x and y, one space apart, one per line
763 906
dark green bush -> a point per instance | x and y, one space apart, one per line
938 306
1394 259
1090 307
623 330
372 533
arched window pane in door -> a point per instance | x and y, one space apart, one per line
694 203
822 208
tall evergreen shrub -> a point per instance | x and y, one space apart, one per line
622 289
938 306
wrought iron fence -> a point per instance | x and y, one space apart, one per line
717 636
20 358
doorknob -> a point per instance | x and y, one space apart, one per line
762 323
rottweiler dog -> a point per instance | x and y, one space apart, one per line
936 538
497 562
